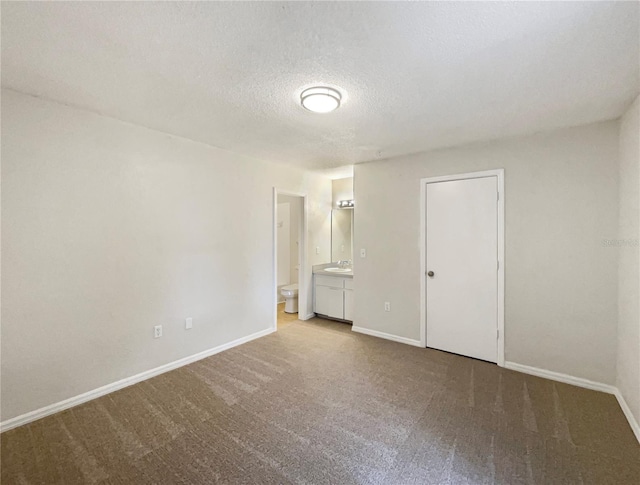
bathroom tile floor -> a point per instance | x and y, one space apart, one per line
284 318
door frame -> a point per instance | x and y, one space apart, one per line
499 173
303 313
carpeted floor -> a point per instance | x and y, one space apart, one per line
316 403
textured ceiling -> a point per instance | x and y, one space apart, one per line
416 76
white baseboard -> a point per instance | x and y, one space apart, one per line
128 381
557 376
580 382
387 336
308 317
633 422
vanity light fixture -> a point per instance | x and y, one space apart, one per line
346 204
320 99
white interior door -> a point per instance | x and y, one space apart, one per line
462 265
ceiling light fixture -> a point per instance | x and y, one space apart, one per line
320 99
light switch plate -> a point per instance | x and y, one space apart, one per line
188 323
363 253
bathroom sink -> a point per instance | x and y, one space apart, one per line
338 270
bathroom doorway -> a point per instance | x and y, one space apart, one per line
289 256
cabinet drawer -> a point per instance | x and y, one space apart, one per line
334 282
348 283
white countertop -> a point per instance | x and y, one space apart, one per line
321 269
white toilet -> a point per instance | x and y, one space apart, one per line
290 294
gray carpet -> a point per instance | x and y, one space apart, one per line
316 403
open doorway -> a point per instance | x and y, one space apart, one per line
289 256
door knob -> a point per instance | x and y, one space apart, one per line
430 274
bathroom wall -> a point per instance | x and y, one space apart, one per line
561 206
110 228
341 234
342 189
628 248
295 215
342 224
283 241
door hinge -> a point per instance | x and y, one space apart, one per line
498 265
498 334
498 195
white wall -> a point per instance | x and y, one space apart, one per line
109 229
628 381
561 281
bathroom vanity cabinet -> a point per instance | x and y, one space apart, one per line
333 297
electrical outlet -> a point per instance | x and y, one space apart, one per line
157 331
387 306
363 253
188 323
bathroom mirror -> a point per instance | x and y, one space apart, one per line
341 234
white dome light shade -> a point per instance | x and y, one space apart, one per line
320 100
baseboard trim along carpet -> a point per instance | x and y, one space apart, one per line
580 382
128 381
635 426
387 336
557 376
